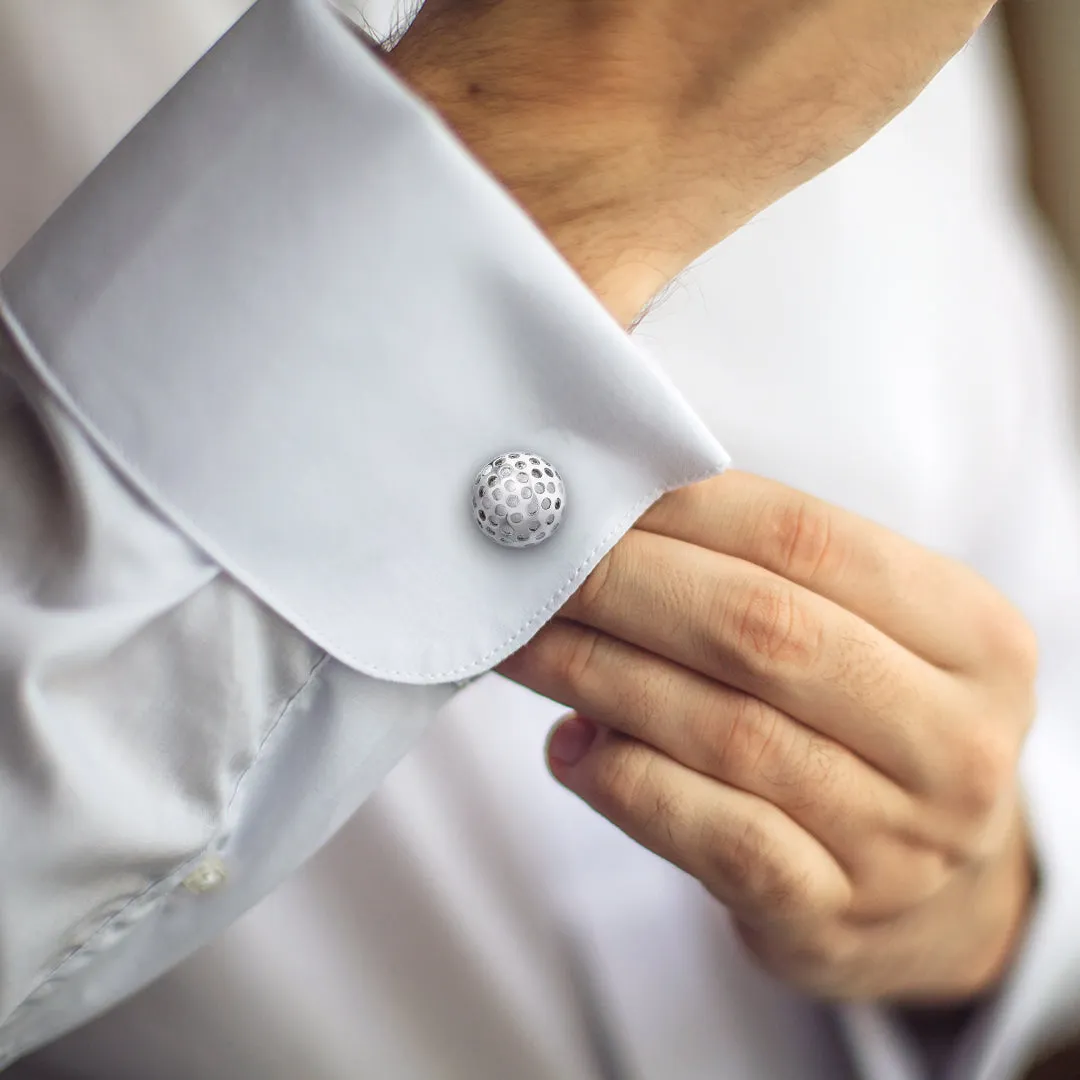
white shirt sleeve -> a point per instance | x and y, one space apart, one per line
247 373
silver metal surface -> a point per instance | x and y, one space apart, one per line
518 499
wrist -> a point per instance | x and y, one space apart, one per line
583 170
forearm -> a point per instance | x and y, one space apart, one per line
573 162
638 135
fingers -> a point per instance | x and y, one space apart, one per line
933 606
754 858
717 731
759 633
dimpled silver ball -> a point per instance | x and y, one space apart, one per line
518 499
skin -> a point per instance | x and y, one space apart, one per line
640 133
816 718
819 720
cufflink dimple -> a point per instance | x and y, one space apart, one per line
518 499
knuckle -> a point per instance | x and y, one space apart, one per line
1019 645
634 796
736 860
577 660
940 839
1010 645
620 775
630 785
984 772
766 625
818 958
760 742
900 878
992 835
796 758
798 538
790 894
592 592
829 951
866 664
768 737
736 747
668 817
751 877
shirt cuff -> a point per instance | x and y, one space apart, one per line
297 316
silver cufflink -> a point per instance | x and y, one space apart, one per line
518 499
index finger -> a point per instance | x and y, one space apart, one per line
935 607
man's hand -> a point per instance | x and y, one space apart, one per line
639 133
819 720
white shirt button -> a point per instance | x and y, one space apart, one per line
518 499
209 874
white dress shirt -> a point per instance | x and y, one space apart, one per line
250 370
238 557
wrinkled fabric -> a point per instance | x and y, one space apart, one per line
893 338
236 471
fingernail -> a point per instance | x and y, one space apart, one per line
570 741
